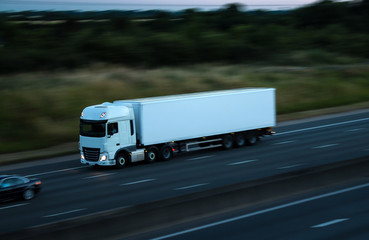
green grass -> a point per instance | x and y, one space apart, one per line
43 109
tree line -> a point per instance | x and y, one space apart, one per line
325 32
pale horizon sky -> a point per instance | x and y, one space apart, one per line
85 5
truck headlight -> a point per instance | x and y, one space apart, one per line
82 157
103 157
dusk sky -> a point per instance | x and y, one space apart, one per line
21 5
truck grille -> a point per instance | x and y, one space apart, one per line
91 154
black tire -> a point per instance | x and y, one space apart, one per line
227 142
121 160
251 138
239 139
28 194
151 155
166 153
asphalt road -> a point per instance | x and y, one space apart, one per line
336 214
71 190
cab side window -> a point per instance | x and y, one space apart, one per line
112 128
132 128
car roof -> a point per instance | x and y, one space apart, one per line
7 176
4 176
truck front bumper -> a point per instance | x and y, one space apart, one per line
103 161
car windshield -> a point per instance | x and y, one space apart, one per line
92 128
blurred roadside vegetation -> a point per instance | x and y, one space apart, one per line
53 64
43 109
324 33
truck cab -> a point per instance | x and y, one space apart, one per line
106 130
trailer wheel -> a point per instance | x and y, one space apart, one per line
240 139
122 160
227 142
251 138
151 155
166 153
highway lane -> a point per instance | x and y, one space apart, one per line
342 213
72 190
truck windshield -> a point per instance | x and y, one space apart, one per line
92 128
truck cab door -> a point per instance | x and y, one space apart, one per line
118 134
124 133
113 139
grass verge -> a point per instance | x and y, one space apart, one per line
42 109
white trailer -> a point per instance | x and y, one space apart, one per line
153 128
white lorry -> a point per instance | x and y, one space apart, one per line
122 132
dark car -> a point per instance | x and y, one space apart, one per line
13 187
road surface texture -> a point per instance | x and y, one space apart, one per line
71 190
336 214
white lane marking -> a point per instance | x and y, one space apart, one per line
326 146
202 157
323 126
242 162
99 175
354 130
285 142
262 211
291 166
280 133
137 182
13 206
56 171
330 223
192 186
64 213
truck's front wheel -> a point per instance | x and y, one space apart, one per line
121 160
